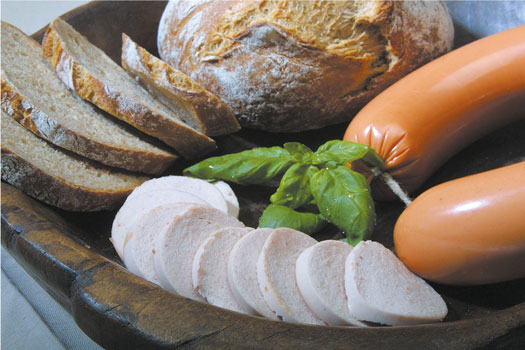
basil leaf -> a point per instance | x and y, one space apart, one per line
343 152
275 216
294 189
255 166
300 152
343 198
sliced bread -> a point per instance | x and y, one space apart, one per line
88 71
381 289
176 246
58 177
198 107
320 273
210 269
134 207
276 275
242 271
139 248
34 96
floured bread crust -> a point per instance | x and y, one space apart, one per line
290 66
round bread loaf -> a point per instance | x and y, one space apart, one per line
289 66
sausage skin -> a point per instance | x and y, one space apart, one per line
429 115
468 231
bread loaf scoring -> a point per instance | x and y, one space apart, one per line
290 66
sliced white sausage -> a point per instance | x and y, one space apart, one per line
320 273
132 209
381 289
229 196
276 275
197 187
139 249
176 246
242 272
210 268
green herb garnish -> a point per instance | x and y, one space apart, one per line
339 195
280 216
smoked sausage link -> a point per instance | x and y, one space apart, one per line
429 115
468 231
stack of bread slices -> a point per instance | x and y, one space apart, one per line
184 235
82 116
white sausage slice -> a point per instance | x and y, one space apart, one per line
133 208
231 199
381 289
210 268
139 249
276 275
242 272
176 246
320 272
197 187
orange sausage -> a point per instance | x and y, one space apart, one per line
467 231
423 119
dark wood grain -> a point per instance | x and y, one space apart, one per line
121 311
70 255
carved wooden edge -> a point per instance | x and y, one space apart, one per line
132 17
121 311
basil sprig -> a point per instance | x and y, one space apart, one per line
339 195
275 216
251 167
343 198
294 189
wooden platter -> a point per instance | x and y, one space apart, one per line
70 255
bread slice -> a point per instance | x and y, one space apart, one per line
381 289
210 269
276 275
57 177
242 271
88 71
36 98
198 107
139 248
130 213
176 246
320 273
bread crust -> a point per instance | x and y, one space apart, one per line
186 141
277 79
54 191
27 113
206 111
